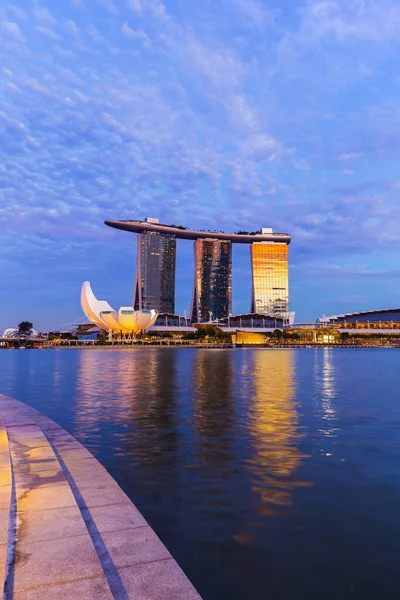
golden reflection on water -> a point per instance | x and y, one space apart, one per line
274 429
215 412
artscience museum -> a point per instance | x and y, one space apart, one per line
125 322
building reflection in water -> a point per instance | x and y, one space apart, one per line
275 431
134 395
213 414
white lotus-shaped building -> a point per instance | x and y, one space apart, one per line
14 333
126 321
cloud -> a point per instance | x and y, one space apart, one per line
348 156
135 5
227 118
109 6
351 21
47 32
254 11
43 15
11 31
17 12
135 34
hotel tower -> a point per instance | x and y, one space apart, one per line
270 277
155 272
212 289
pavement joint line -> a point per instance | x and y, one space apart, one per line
110 570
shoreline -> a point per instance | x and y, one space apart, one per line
202 347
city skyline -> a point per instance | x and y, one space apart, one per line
243 113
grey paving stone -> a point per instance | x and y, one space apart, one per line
46 464
5 476
95 588
73 454
55 561
115 517
78 467
57 495
134 546
49 524
102 481
31 454
4 521
5 496
48 425
162 580
112 495
27 430
18 419
28 480
64 445
29 441
3 558
4 459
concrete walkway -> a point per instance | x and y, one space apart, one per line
67 530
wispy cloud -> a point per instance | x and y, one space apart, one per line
244 115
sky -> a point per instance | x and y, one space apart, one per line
215 114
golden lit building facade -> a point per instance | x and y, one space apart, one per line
270 278
212 290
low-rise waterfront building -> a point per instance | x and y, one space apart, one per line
374 319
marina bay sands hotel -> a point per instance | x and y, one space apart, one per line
212 290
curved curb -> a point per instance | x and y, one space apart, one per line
76 534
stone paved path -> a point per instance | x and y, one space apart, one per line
67 530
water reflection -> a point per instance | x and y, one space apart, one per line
326 393
274 429
213 407
209 445
136 392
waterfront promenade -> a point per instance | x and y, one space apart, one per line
67 530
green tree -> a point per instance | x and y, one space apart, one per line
25 327
277 333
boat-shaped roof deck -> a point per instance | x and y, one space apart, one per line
189 234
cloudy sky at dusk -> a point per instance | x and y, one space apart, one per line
216 114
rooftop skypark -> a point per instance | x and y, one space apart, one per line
178 231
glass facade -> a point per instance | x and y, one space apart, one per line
269 265
155 273
212 292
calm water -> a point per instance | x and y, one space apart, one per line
267 473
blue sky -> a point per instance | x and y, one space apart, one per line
226 114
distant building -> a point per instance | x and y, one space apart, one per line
269 267
212 289
257 321
385 315
14 333
155 272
